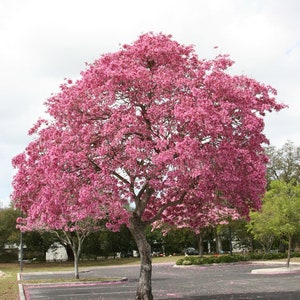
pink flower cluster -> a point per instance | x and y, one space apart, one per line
150 131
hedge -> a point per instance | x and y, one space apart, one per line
194 260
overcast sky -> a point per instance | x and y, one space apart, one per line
43 42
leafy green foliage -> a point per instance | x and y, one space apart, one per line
280 213
206 260
178 239
107 243
8 231
37 244
284 163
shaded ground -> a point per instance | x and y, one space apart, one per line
227 281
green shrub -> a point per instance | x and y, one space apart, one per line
179 262
268 256
8 257
210 260
193 260
281 255
241 257
227 259
254 255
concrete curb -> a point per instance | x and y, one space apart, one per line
273 262
21 286
282 270
293 268
21 290
118 280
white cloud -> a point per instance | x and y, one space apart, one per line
42 42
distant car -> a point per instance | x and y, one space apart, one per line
156 253
190 251
127 254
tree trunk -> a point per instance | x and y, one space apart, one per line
218 242
230 240
289 252
76 268
201 243
76 244
73 241
137 229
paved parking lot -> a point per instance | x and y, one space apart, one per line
227 281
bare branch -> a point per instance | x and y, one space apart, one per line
121 177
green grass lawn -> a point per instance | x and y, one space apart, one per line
9 283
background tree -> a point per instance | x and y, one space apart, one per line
49 188
208 219
38 243
155 126
240 236
285 198
284 163
113 242
155 238
9 234
262 227
91 248
8 231
279 216
74 236
177 239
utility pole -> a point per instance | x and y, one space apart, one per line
21 251
21 247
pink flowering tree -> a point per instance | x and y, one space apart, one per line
208 216
159 132
50 188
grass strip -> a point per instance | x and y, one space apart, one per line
71 280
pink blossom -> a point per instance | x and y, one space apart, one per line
149 132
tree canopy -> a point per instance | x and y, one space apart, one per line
8 232
155 129
279 216
284 162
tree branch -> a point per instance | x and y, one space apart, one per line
164 207
96 167
121 177
142 199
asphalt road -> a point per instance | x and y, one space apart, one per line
227 281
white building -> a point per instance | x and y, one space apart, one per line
56 252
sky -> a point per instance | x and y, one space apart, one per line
43 42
